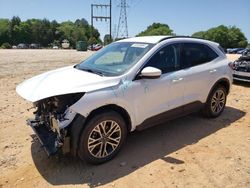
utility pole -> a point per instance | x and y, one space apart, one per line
110 20
101 17
122 31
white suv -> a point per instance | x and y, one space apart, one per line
88 109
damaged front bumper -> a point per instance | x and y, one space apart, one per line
47 138
53 137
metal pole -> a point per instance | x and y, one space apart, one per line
91 26
110 23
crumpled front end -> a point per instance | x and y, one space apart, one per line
52 118
241 69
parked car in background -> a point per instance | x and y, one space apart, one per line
65 44
34 46
234 50
22 46
89 47
229 50
240 51
55 47
241 67
88 109
246 51
95 47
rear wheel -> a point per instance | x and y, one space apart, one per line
102 138
216 102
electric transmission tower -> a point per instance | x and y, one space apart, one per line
122 30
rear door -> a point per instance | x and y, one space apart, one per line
197 60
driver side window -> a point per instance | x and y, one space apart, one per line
167 59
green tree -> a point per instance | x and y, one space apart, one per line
6 45
79 30
4 31
199 34
24 31
227 37
36 28
107 39
92 40
14 29
81 22
92 32
157 29
67 29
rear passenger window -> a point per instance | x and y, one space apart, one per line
193 54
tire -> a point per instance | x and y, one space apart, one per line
216 102
102 138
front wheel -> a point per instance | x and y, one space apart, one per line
216 102
102 137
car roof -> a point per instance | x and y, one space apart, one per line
145 39
157 39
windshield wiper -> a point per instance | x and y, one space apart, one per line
92 71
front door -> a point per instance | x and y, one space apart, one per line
156 96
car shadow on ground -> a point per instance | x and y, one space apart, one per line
140 149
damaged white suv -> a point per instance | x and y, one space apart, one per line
88 109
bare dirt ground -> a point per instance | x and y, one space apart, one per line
187 152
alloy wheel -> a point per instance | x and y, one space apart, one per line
104 139
218 101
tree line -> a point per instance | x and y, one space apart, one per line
46 33
227 37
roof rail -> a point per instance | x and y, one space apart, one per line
180 36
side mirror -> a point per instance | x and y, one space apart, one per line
150 73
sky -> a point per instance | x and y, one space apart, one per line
183 16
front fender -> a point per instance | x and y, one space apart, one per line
97 99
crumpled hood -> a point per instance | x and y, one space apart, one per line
63 81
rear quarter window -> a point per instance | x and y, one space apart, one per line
193 54
222 50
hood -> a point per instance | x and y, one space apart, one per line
63 81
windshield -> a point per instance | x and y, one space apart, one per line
115 59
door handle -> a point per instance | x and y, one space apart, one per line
177 80
213 71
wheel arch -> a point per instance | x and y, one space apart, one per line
80 121
112 107
224 82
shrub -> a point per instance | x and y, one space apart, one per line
6 45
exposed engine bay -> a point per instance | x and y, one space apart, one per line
241 68
242 65
52 116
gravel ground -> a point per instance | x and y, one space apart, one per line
187 152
